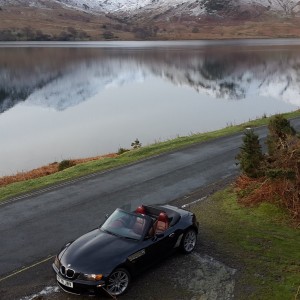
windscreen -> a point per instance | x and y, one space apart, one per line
127 225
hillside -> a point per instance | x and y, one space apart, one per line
147 19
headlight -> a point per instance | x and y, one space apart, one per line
91 277
57 262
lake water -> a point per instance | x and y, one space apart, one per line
70 100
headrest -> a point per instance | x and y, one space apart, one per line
141 210
163 217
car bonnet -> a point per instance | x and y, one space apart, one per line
97 251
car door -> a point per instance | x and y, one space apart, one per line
165 242
159 246
151 250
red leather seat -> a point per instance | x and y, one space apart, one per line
162 223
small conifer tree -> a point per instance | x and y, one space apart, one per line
250 156
136 144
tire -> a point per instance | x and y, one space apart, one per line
189 240
118 282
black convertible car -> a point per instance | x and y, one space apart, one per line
128 242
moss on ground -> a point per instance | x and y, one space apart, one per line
258 241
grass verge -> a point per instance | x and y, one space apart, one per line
257 241
80 170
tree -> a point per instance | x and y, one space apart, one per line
250 156
136 144
287 6
7 35
28 33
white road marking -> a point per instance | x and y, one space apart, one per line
26 268
193 202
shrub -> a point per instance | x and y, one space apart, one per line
145 32
64 164
281 173
7 35
279 131
122 150
108 35
65 36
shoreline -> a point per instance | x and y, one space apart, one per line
88 166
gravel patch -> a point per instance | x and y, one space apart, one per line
210 279
200 276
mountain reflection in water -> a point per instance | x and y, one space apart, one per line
60 78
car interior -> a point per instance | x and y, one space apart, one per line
162 219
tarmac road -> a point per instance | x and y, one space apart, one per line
204 276
35 226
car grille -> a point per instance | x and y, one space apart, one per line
67 272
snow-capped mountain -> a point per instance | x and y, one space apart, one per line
157 8
147 19
195 7
112 6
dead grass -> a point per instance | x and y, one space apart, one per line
280 182
250 29
57 19
281 192
47 170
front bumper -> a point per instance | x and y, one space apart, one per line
79 287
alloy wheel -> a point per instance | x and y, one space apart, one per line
118 282
189 241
